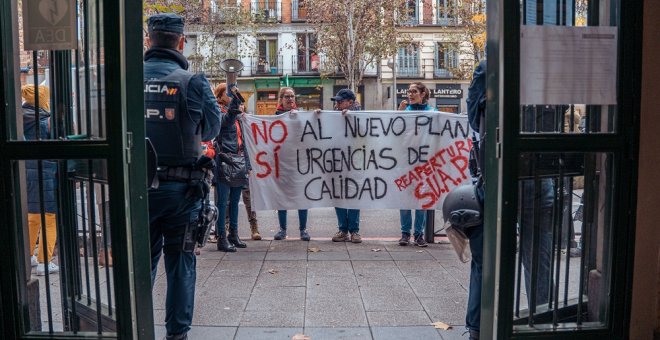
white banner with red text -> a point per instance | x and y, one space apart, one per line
361 160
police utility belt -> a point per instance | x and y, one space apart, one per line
182 174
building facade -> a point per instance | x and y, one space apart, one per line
279 50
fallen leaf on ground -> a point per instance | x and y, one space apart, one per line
313 250
376 249
441 325
273 271
301 337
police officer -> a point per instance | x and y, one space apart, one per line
529 192
476 103
181 111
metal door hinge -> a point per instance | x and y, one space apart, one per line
129 146
498 145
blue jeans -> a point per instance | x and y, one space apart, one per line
406 221
473 313
527 231
302 217
348 220
222 193
170 211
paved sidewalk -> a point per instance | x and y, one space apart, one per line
325 290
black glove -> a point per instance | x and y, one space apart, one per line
235 101
205 162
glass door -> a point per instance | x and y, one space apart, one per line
561 162
75 247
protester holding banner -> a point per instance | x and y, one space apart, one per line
365 160
287 103
348 220
418 96
229 149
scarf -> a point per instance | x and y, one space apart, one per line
281 108
418 107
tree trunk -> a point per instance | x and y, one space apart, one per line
350 76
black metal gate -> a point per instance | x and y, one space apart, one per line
561 173
74 246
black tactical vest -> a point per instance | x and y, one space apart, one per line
175 136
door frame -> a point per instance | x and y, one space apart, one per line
126 165
504 144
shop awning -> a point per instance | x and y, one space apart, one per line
304 82
267 83
276 83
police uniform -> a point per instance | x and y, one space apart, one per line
180 111
529 192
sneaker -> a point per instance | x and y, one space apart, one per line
356 238
405 239
182 336
575 252
281 235
304 235
52 268
420 241
340 236
33 261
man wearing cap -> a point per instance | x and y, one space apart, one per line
180 113
348 220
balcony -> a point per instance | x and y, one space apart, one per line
408 66
262 66
370 71
442 73
439 20
266 11
306 64
226 14
298 10
412 20
442 64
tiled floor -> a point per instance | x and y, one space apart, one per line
373 290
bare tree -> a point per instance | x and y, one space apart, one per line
354 34
218 28
469 37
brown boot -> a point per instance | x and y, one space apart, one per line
255 232
251 214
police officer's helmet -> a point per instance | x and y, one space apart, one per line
462 208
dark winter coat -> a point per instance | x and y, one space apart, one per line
227 140
49 168
202 107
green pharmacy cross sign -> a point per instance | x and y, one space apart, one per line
49 24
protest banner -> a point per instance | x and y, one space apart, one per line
362 160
